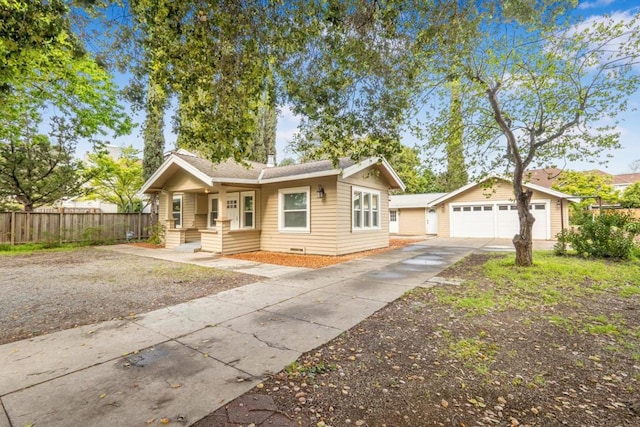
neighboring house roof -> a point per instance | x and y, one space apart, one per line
626 178
399 201
543 177
233 172
529 185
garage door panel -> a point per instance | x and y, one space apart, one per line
497 220
472 221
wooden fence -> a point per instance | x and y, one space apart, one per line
47 227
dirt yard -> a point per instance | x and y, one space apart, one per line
50 291
505 348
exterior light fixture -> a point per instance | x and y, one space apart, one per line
320 192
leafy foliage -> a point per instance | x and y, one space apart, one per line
592 185
117 180
46 69
631 196
609 235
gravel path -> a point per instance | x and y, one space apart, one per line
50 291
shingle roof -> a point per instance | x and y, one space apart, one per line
305 168
626 178
413 200
248 172
543 177
226 169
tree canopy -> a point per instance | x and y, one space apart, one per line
117 180
52 95
631 196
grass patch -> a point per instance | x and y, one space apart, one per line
29 248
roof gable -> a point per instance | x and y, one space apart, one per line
529 185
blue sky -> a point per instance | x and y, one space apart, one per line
629 126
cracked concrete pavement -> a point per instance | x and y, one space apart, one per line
181 363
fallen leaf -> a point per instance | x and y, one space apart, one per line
103 395
165 421
444 403
150 420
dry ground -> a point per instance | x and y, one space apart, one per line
481 354
45 292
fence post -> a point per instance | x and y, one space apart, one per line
60 224
28 230
139 225
13 228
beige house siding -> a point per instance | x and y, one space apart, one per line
184 181
237 241
210 241
412 221
321 238
501 191
348 240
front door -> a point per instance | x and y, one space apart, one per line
394 227
233 210
432 221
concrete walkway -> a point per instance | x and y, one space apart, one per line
205 259
181 363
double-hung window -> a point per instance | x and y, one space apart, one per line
365 209
177 211
214 210
294 209
248 209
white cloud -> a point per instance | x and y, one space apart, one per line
594 4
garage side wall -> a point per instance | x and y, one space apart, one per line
500 192
412 221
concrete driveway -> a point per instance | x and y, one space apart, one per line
181 363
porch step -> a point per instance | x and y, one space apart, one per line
190 247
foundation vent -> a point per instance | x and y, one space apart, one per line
297 250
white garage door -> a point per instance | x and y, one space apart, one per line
472 221
499 219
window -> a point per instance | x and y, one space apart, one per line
357 209
294 209
365 209
375 208
177 211
393 216
213 210
247 209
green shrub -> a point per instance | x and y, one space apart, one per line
156 233
609 235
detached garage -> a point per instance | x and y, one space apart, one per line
478 211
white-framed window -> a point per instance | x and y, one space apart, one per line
176 210
294 210
214 210
247 200
365 208
393 216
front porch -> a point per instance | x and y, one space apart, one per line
220 240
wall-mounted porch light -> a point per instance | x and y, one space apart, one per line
320 192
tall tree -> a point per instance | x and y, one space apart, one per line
52 95
538 88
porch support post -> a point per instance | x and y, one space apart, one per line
222 200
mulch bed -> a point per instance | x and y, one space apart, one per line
314 261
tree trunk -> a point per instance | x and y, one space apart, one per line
523 241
